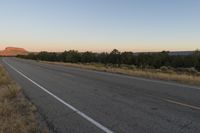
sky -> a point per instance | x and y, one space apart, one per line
100 25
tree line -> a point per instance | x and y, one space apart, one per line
117 58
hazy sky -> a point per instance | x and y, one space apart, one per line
100 25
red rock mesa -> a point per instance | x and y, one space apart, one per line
12 51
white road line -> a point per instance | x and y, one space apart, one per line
182 104
168 83
63 102
161 82
148 80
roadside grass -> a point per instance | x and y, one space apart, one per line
167 74
17 114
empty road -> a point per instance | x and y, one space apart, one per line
74 100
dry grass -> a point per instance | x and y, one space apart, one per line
17 114
182 77
3 77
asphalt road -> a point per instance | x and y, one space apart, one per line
74 100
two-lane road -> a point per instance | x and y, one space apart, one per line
78 100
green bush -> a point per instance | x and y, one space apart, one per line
115 58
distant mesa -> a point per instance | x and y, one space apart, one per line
13 51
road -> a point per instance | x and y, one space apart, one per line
77 100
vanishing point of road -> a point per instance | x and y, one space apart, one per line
74 100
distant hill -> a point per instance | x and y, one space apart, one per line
182 53
13 51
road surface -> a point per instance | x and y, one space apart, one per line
76 100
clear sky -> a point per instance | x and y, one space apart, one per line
100 25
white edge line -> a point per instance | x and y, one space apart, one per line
182 104
63 102
171 83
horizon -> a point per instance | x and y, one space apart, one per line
137 26
101 51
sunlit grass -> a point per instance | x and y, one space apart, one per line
169 75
